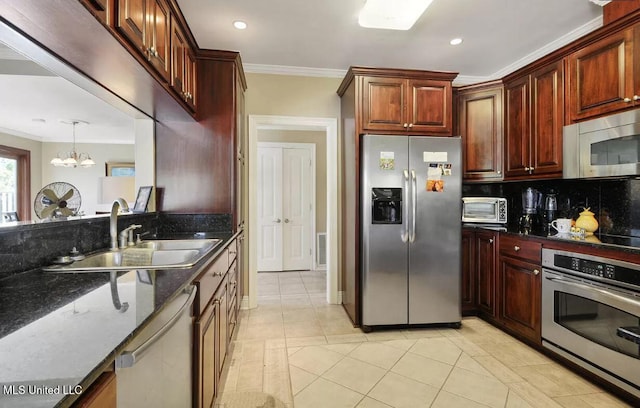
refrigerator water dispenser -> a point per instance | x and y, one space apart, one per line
386 205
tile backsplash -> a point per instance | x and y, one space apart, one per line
616 202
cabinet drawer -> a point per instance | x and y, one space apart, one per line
521 248
232 250
208 282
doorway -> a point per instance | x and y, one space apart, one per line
286 206
328 126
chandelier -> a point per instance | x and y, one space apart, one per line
73 158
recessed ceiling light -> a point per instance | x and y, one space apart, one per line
392 15
456 41
240 25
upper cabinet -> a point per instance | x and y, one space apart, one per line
480 125
145 23
603 77
534 117
183 67
394 101
102 9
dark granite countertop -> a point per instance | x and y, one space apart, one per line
61 330
614 242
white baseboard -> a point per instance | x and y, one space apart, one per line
244 303
340 296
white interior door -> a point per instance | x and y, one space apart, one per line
296 209
285 208
270 209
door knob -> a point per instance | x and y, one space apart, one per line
277 221
286 220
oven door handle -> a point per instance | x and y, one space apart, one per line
603 292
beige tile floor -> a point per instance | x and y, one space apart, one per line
306 353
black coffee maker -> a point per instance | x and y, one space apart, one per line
530 219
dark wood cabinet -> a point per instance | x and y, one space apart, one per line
602 77
102 9
468 287
480 125
222 340
101 394
145 23
519 287
486 245
206 330
408 106
534 117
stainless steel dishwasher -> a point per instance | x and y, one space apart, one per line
156 369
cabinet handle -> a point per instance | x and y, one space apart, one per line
215 274
536 272
636 97
531 169
491 240
516 248
406 125
286 220
627 100
410 125
216 301
277 221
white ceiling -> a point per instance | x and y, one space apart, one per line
499 35
31 92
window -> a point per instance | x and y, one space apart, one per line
15 181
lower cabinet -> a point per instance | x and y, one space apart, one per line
485 260
206 328
101 394
468 292
519 287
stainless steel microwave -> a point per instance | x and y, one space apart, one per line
484 210
603 147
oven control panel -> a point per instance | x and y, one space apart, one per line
602 270
614 271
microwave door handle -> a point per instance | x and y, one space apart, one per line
592 288
414 203
405 210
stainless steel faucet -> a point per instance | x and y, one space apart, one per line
118 203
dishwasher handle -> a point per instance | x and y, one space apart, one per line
129 358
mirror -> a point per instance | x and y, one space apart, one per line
41 98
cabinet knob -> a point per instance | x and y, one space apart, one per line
499 172
491 240
516 248
536 272
636 97
531 169
406 125
410 125
627 100
277 221
216 274
286 220
526 168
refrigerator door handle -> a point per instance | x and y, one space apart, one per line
405 224
414 200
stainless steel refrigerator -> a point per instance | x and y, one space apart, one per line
411 230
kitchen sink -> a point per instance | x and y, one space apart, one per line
154 254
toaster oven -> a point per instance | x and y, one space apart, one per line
484 210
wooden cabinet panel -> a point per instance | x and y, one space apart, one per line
102 9
468 294
222 339
480 126
178 53
101 394
521 248
206 328
131 22
383 103
601 76
429 107
517 141
547 100
520 292
158 38
209 280
485 260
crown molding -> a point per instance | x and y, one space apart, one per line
297 71
470 79
549 48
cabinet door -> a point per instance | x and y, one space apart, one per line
206 356
601 77
101 9
429 107
468 273
158 32
519 294
178 52
547 121
131 22
480 123
101 394
517 140
485 257
383 104
190 77
221 337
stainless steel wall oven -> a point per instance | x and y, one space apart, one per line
591 314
